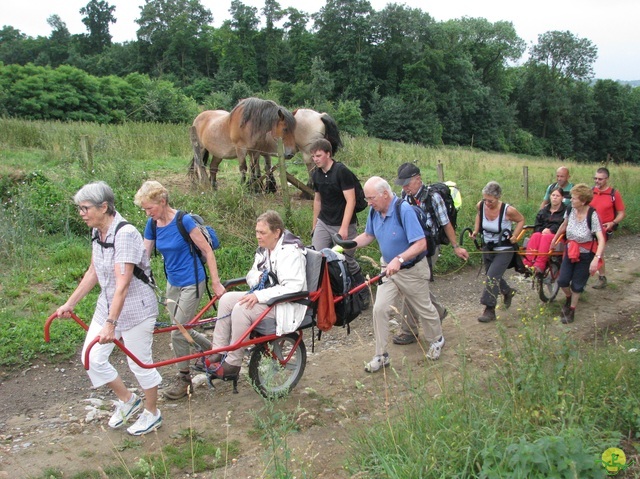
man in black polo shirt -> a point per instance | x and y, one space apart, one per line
334 205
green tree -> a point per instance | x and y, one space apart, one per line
242 52
269 45
544 92
59 42
344 36
98 14
613 126
300 44
400 35
565 55
392 118
11 46
169 36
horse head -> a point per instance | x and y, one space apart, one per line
285 128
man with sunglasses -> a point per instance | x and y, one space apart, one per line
607 201
415 192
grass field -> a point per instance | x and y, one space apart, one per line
44 250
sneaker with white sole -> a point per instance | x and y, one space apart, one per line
435 348
146 423
124 410
377 363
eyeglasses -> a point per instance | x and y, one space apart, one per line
371 198
595 178
83 210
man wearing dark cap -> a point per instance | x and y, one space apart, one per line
415 192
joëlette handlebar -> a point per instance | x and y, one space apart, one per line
47 325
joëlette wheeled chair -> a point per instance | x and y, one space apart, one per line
276 363
546 282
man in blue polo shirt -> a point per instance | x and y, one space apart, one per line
403 247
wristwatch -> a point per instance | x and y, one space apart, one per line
400 259
113 321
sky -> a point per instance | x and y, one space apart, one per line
611 25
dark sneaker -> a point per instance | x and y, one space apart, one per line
224 370
508 297
404 338
377 363
601 284
569 317
199 365
566 306
488 315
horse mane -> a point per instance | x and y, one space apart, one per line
262 114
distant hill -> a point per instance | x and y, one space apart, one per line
633 83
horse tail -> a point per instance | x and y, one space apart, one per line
331 132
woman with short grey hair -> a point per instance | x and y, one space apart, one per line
495 221
492 188
126 309
97 193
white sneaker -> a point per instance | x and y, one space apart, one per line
146 423
377 363
124 410
435 349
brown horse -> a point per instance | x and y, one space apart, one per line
311 126
251 128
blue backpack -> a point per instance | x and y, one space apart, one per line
422 219
209 234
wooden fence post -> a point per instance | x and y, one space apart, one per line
86 147
440 170
283 179
525 174
197 171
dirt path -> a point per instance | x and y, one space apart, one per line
43 415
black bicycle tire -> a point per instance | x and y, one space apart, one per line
257 364
549 290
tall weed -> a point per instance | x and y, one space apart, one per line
547 410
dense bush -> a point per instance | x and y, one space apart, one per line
69 94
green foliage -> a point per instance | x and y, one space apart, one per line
552 407
394 119
69 94
540 414
348 115
275 422
562 456
448 82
